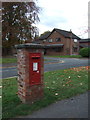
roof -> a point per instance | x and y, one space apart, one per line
63 32
44 36
84 46
85 40
66 33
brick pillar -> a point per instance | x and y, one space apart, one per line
29 93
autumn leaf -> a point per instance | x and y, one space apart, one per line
0 96
81 84
53 81
48 87
56 94
69 77
79 76
68 82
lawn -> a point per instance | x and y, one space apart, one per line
67 56
59 85
14 60
8 60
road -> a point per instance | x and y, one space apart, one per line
51 64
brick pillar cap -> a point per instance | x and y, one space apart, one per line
29 45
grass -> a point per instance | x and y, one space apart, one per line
14 60
0 60
59 85
8 60
67 56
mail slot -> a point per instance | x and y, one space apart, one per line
36 57
35 68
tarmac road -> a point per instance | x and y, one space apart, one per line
10 70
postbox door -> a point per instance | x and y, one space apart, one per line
35 68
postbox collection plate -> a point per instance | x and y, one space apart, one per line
35 68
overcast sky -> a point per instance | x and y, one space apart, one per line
65 15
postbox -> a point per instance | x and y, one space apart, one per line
35 68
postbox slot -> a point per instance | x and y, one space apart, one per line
35 57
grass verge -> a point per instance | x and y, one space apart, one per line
67 56
8 60
59 85
14 60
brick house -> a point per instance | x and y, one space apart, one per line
60 42
84 43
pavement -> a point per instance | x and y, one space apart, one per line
75 107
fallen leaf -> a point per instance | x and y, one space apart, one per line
79 76
80 83
47 87
69 77
56 93
0 96
53 81
68 82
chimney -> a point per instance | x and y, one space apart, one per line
70 33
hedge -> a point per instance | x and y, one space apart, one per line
85 52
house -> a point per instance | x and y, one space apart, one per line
84 43
60 42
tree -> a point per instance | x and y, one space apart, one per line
18 22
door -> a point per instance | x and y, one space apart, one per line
35 68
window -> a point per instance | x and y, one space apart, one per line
58 49
44 40
58 39
50 40
75 40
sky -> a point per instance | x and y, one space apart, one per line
65 15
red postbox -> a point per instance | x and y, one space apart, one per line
35 68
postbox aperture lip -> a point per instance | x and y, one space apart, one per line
35 56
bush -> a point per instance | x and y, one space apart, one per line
85 52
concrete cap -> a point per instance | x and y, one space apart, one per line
29 45
32 45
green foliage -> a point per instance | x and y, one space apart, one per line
67 56
59 85
8 60
85 52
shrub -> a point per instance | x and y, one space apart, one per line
85 52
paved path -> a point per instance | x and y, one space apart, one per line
75 107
